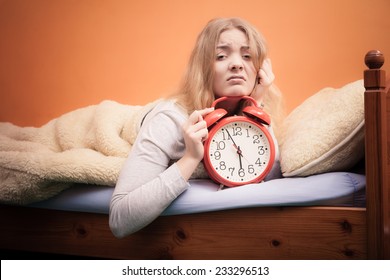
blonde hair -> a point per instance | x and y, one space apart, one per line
195 91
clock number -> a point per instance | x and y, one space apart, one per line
256 139
241 172
237 131
231 169
217 155
221 145
222 165
258 162
251 170
261 150
224 135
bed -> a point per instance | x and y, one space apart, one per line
351 225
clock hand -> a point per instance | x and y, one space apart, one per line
239 152
234 144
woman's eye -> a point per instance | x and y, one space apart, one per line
247 56
221 57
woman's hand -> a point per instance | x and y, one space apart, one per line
194 133
266 78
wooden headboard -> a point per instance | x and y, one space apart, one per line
377 116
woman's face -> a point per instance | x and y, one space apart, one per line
234 72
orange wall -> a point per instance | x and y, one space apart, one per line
59 55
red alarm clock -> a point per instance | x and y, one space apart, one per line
239 149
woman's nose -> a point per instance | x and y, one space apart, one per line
236 64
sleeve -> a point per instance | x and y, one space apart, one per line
147 183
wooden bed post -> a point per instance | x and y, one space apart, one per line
377 159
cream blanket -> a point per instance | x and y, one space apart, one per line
88 145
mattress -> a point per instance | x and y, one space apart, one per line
335 188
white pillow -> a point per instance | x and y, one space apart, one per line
325 133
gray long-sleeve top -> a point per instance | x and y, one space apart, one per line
150 179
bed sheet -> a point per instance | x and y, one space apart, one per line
335 188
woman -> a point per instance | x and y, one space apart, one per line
229 59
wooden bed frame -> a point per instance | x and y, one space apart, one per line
255 233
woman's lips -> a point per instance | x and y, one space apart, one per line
238 78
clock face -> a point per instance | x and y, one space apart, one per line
238 151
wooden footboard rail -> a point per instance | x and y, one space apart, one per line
377 121
250 233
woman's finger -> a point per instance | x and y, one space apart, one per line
265 73
198 115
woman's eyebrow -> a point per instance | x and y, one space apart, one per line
228 47
223 47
